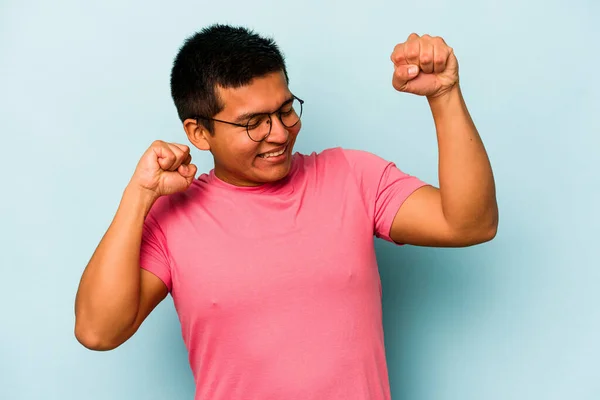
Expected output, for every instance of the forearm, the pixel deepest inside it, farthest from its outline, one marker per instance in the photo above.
(467, 186)
(109, 292)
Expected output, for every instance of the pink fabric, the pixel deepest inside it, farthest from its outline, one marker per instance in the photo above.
(277, 287)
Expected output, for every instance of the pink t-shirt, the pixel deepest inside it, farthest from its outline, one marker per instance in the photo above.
(277, 287)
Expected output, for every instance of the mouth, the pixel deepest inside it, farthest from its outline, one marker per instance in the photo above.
(272, 154)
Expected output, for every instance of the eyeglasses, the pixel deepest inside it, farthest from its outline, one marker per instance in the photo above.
(258, 126)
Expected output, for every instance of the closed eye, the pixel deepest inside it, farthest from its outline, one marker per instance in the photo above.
(251, 118)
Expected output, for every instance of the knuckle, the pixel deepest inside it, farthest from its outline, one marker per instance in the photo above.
(180, 149)
(184, 147)
(412, 52)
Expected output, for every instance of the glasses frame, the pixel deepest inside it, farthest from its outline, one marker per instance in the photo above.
(278, 113)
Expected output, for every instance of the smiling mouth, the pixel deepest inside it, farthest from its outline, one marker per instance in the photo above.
(273, 154)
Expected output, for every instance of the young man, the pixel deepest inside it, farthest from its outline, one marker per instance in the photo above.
(269, 258)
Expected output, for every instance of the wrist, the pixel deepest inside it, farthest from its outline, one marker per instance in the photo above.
(139, 197)
(449, 101)
(447, 94)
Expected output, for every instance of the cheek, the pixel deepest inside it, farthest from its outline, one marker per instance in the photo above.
(295, 130)
(235, 151)
(241, 152)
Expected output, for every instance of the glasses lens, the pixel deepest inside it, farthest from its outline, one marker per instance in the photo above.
(259, 127)
(291, 113)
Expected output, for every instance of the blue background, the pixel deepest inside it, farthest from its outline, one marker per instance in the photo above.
(84, 89)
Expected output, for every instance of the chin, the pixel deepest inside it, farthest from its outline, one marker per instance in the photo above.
(276, 174)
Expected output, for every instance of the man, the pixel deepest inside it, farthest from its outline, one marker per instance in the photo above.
(270, 258)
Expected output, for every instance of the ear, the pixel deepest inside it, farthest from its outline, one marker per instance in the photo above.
(197, 134)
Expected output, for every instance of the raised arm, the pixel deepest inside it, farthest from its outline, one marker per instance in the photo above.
(463, 211)
(115, 295)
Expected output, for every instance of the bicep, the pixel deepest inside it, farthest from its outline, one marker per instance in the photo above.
(420, 221)
(152, 291)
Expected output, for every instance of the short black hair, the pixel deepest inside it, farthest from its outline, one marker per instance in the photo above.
(219, 55)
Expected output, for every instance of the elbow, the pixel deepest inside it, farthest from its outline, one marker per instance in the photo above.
(492, 227)
(487, 231)
(93, 340)
(482, 232)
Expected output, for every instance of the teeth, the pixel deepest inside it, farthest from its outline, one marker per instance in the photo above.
(267, 155)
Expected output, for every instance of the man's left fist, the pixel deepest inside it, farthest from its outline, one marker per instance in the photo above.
(424, 65)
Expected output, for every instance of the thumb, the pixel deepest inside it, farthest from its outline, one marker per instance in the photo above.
(403, 74)
(188, 171)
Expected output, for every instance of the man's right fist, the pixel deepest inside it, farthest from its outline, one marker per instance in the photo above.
(165, 168)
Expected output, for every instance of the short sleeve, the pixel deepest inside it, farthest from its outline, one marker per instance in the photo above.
(383, 186)
(153, 251)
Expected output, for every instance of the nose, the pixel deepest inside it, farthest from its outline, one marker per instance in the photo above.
(279, 133)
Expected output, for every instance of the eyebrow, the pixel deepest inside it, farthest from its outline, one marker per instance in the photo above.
(246, 116)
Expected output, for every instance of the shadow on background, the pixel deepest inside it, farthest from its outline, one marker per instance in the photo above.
(165, 372)
(432, 300)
